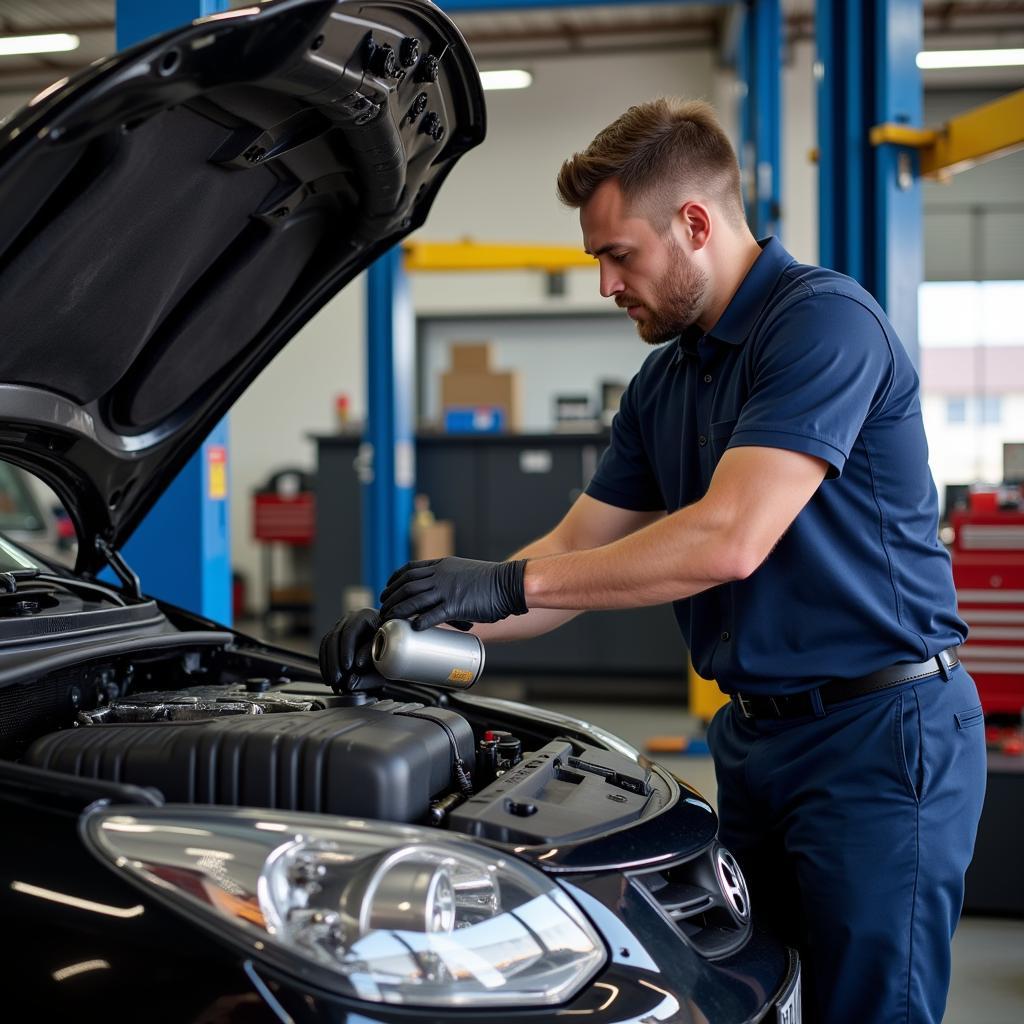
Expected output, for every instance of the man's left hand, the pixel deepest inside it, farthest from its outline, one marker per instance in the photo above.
(455, 590)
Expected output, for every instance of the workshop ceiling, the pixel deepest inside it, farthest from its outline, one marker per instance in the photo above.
(533, 32)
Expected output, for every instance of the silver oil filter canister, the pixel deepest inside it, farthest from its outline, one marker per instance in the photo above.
(441, 657)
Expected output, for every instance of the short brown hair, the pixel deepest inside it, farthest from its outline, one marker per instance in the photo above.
(655, 150)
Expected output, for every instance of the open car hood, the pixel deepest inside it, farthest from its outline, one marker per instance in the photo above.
(173, 215)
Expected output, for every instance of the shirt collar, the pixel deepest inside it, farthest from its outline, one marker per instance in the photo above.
(754, 291)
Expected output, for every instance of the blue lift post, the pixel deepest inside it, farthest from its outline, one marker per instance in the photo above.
(390, 374)
(390, 354)
(181, 552)
(753, 45)
(762, 113)
(870, 213)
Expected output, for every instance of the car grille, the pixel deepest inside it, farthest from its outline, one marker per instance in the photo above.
(705, 898)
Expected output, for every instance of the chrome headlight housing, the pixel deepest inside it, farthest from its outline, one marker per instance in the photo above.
(384, 913)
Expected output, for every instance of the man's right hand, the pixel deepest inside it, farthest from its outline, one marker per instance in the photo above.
(345, 660)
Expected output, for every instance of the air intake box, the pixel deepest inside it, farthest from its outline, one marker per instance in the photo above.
(385, 760)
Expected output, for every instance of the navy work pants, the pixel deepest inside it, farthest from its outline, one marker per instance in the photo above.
(854, 830)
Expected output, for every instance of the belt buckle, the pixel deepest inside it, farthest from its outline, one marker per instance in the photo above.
(947, 666)
(744, 705)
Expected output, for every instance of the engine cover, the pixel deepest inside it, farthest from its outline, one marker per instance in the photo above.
(385, 760)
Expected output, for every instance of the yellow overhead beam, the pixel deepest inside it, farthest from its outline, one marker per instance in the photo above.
(984, 133)
(470, 255)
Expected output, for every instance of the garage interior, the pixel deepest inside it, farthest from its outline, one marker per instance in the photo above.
(456, 399)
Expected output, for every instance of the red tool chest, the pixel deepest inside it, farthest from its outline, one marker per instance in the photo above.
(284, 514)
(288, 519)
(988, 570)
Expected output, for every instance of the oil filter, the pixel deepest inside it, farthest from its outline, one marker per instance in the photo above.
(441, 657)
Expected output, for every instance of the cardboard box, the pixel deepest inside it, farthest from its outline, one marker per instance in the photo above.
(471, 357)
(433, 540)
(465, 390)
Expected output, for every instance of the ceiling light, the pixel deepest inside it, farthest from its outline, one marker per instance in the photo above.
(929, 59)
(511, 79)
(54, 42)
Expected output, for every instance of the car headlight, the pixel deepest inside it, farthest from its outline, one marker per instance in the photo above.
(386, 913)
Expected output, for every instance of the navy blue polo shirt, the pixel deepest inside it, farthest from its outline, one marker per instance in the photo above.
(802, 359)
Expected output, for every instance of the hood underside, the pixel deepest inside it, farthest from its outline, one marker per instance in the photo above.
(172, 216)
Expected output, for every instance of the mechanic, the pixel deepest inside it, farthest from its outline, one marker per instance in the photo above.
(768, 474)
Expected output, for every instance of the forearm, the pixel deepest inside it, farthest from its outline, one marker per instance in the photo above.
(537, 621)
(683, 554)
(601, 556)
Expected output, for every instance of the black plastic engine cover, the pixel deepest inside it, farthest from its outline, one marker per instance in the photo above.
(374, 761)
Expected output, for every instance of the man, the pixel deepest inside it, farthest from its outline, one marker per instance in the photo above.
(768, 474)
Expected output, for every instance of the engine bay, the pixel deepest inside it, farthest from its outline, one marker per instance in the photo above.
(252, 727)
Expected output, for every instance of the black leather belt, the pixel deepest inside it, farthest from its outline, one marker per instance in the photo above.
(801, 705)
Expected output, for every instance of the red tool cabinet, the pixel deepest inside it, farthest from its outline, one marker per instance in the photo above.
(988, 570)
(284, 513)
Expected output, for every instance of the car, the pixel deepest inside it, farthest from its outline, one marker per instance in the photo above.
(197, 827)
(25, 519)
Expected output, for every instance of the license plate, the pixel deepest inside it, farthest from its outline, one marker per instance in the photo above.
(788, 1009)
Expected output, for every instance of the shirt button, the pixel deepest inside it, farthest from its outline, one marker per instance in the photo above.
(707, 378)
(702, 440)
(726, 636)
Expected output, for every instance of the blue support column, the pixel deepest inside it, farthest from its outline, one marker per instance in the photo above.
(759, 68)
(870, 216)
(390, 365)
(899, 243)
(182, 552)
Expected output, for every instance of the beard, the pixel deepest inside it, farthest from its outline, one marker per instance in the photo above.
(681, 293)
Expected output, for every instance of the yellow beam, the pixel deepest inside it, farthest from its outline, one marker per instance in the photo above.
(984, 133)
(903, 135)
(469, 255)
(993, 130)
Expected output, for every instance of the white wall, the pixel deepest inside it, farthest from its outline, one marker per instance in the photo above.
(553, 356)
(505, 189)
(799, 138)
(293, 398)
(962, 453)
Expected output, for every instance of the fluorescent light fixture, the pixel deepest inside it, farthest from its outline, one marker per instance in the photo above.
(929, 59)
(54, 42)
(511, 79)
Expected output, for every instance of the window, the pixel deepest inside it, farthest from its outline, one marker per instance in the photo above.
(989, 409)
(956, 409)
(972, 376)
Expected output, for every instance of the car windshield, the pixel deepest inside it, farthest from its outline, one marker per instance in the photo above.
(13, 558)
(19, 509)
(32, 519)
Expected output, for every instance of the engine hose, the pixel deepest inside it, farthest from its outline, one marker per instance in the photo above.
(461, 774)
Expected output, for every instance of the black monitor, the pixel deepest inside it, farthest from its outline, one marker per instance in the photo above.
(957, 498)
(1013, 462)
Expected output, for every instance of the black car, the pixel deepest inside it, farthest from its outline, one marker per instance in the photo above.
(196, 828)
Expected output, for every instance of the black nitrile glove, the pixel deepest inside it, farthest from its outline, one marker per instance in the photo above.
(345, 660)
(454, 590)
